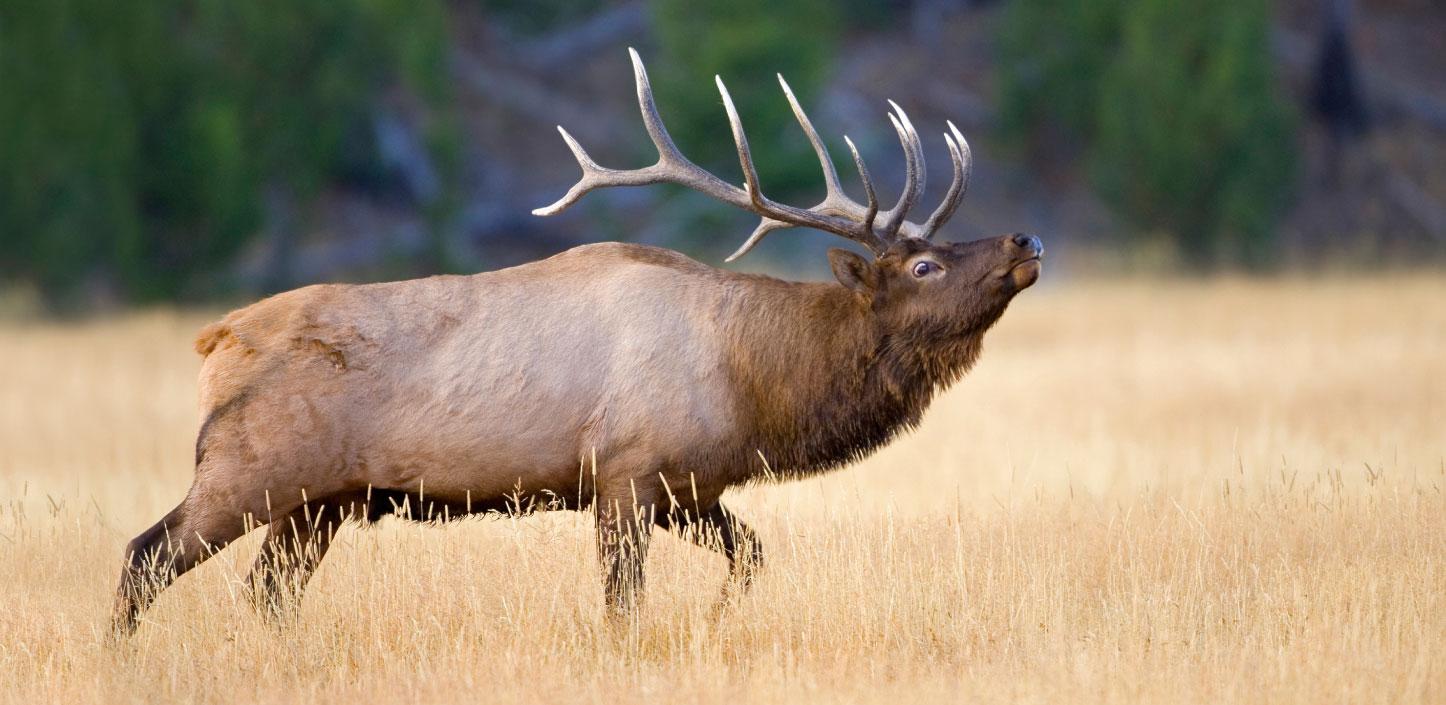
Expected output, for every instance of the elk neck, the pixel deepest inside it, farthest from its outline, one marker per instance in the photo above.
(821, 382)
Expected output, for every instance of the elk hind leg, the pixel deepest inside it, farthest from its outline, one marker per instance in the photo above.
(294, 547)
(180, 541)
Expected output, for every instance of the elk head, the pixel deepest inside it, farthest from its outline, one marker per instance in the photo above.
(912, 283)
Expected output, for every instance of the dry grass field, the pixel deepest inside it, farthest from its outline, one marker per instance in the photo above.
(1222, 491)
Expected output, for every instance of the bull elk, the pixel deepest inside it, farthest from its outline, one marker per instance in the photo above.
(627, 379)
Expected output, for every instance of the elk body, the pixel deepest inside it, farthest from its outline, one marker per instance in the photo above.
(629, 379)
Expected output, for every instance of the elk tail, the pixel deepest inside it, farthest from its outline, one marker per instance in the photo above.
(210, 337)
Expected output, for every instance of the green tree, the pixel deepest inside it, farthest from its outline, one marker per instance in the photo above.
(1175, 110)
(136, 139)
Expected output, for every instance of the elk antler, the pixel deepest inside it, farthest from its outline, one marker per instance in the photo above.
(836, 213)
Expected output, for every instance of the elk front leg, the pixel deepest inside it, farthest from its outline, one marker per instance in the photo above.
(720, 530)
(623, 528)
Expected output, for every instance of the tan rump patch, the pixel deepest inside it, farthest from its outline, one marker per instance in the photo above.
(210, 337)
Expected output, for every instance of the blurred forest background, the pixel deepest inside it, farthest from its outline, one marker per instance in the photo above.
(209, 150)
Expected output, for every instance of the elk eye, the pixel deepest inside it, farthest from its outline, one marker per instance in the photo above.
(923, 267)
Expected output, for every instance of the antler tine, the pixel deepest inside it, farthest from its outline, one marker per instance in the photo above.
(963, 165)
(966, 153)
(915, 143)
(672, 166)
(830, 175)
(590, 168)
(913, 173)
(740, 140)
(766, 226)
(652, 121)
(873, 207)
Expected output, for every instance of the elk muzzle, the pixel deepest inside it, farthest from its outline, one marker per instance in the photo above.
(1028, 252)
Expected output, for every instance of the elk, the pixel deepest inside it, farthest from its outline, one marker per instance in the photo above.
(625, 379)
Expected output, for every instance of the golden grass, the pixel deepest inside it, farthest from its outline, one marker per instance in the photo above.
(1206, 492)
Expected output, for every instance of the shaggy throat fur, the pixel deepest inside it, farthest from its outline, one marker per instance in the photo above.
(873, 386)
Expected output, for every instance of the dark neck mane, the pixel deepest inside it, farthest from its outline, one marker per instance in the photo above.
(823, 384)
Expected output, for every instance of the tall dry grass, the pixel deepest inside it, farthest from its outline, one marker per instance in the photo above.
(1204, 492)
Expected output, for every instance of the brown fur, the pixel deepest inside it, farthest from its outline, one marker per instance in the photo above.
(453, 395)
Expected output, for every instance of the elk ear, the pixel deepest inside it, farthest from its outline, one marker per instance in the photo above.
(853, 271)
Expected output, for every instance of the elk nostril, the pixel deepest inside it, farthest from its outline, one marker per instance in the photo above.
(1028, 243)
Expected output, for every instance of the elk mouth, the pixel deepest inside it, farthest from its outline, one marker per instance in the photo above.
(1026, 273)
